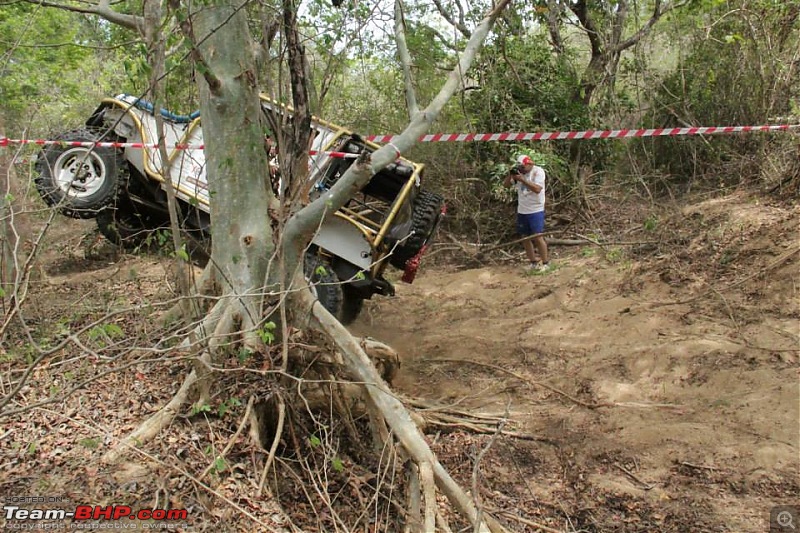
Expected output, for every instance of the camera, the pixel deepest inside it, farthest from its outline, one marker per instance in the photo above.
(518, 170)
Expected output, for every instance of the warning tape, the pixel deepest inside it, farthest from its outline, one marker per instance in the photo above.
(588, 134)
(458, 137)
(5, 141)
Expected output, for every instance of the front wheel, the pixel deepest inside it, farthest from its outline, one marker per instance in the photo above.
(428, 208)
(79, 180)
(351, 305)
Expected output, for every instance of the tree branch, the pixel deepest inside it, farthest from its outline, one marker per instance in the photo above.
(405, 58)
(459, 25)
(658, 12)
(103, 10)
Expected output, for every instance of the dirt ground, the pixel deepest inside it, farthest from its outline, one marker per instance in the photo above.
(666, 385)
(647, 385)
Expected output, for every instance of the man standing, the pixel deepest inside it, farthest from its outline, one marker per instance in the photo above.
(529, 180)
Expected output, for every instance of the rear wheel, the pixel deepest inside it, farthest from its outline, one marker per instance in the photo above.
(125, 226)
(424, 220)
(324, 284)
(79, 180)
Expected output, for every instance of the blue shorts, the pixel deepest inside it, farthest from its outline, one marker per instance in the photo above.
(531, 223)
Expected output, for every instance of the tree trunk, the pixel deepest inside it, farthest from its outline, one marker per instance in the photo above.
(7, 237)
(242, 243)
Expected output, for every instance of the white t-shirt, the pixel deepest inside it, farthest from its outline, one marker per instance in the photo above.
(528, 201)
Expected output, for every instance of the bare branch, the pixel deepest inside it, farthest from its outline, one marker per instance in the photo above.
(103, 10)
(404, 58)
(459, 25)
(658, 12)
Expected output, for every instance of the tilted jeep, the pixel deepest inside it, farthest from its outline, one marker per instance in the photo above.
(110, 171)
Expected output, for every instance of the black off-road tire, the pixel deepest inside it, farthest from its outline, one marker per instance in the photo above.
(424, 219)
(125, 227)
(351, 306)
(324, 284)
(80, 181)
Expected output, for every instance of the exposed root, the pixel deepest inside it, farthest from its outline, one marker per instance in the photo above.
(219, 320)
(447, 419)
(274, 447)
(403, 426)
(153, 425)
(232, 440)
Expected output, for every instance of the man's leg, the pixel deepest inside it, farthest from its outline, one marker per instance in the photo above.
(529, 251)
(541, 247)
(537, 226)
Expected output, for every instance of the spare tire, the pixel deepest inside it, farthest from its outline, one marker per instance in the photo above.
(80, 181)
(424, 220)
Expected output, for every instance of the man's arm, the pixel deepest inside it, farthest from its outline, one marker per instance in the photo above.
(530, 184)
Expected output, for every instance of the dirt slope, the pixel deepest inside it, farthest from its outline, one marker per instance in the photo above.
(670, 393)
(652, 387)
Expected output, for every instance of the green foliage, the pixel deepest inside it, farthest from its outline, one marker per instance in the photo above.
(56, 66)
(89, 443)
(243, 355)
(104, 334)
(227, 405)
(724, 78)
(203, 408)
(267, 332)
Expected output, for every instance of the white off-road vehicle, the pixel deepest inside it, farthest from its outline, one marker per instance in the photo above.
(110, 171)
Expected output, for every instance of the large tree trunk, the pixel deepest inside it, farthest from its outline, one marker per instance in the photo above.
(242, 243)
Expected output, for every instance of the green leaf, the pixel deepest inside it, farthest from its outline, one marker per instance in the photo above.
(314, 441)
(89, 443)
(337, 464)
(113, 330)
(182, 253)
(205, 408)
(243, 355)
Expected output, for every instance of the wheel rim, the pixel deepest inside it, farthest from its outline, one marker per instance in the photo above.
(79, 172)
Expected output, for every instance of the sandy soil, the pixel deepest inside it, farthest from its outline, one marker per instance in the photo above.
(666, 384)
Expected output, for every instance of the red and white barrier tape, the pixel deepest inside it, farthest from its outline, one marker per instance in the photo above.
(461, 137)
(589, 134)
(4, 141)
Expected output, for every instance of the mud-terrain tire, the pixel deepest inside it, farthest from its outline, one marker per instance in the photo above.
(424, 218)
(125, 227)
(324, 284)
(80, 181)
(351, 306)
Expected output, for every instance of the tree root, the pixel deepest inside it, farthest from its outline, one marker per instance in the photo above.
(403, 426)
(218, 320)
(153, 425)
